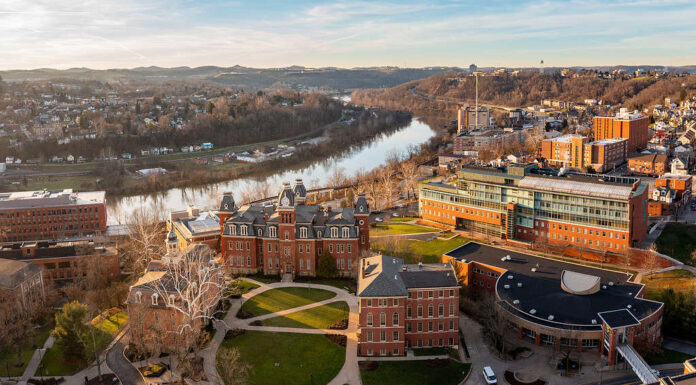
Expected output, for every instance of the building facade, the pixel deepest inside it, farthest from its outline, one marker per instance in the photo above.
(471, 142)
(21, 282)
(406, 306)
(529, 204)
(562, 305)
(63, 262)
(288, 236)
(631, 126)
(193, 226)
(51, 215)
(649, 164)
(576, 151)
(467, 118)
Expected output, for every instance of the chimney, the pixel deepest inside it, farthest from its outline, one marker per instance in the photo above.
(328, 209)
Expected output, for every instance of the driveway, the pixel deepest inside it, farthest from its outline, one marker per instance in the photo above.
(124, 370)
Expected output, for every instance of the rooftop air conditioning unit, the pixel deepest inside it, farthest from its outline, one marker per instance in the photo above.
(507, 286)
(519, 284)
(533, 311)
(550, 317)
(511, 277)
(604, 287)
(516, 302)
(533, 269)
(611, 283)
(594, 321)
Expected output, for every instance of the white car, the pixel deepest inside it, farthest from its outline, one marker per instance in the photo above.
(395, 215)
(489, 376)
(378, 219)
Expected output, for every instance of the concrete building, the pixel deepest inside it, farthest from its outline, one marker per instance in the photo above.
(289, 236)
(649, 164)
(576, 151)
(563, 305)
(631, 126)
(193, 226)
(467, 115)
(531, 205)
(51, 215)
(403, 306)
(468, 142)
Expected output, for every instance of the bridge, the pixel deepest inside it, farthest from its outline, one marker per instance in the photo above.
(639, 366)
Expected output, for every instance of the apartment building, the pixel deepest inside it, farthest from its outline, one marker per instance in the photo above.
(288, 236)
(576, 151)
(467, 118)
(51, 215)
(529, 204)
(20, 282)
(406, 305)
(628, 125)
(470, 142)
(648, 164)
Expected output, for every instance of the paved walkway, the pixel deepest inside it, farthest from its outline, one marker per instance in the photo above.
(30, 370)
(117, 362)
(349, 373)
(680, 346)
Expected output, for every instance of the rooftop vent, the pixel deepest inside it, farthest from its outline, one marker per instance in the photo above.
(519, 284)
(511, 277)
(604, 287)
(611, 283)
(550, 317)
(507, 286)
(629, 306)
(533, 311)
(533, 269)
(594, 321)
(630, 294)
(516, 302)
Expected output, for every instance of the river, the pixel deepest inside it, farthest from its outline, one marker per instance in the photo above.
(364, 158)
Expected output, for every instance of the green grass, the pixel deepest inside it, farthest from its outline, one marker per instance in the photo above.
(245, 286)
(677, 280)
(76, 182)
(8, 355)
(667, 357)
(678, 240)
(402, 219)
(399, 228)
(437, 351)
(298, 356)
(414, 251)
(435, 372)
(275, 300)
(339, 283)
(320, 317)
(57, 363)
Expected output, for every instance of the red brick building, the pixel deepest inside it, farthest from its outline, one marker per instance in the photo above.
(403, 306)
(631, 126)
(20, 282)
(288, 236)
(50, 215)
(649, 164)
(560, 304)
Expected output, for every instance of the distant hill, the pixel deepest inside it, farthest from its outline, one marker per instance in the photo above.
(242, 77)
(527, 88)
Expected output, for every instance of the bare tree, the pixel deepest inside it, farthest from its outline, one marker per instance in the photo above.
(191, 287)
(338, 176)
(370, 187)
(387, 186)
(233, 371)
(145, 240)
(409, 172)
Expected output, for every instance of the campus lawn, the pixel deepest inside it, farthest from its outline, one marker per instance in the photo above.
(678, 240)
(320, 317)
(436, 351)
(402, 219)
(677, 280)
(245, 286)
(430, 251)
(399, 228)
(56, 363)
(275, 300)
(339, 283)
(297, 356)
(8, 355)
(667, 357)
(427, 372)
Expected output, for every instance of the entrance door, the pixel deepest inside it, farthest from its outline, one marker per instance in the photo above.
(288, 267)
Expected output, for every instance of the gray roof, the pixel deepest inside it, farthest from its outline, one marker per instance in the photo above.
(386, 276)
(13, 273)
(41, 199)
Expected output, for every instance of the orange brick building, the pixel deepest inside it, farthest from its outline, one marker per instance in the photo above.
(51, 215)
(532, 205)
(631, 126)
(680, 183)
(649, 164)
(403, 306)
(578, 152)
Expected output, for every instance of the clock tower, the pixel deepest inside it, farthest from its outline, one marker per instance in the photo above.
(286, 230)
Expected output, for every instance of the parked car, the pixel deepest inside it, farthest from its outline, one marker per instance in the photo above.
(489, 376)
(378, 219)
(395, 214)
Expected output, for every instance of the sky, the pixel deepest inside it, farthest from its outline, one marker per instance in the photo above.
(104, 34)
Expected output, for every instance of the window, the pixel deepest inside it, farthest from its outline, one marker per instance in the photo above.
(334, 232)
(382, 319)
(395, 319)
(233, 230)
(287, 235)
(303, 232)
(420, 311)
(244, 230)
(273, 232)
(308, 265)
(395, 302)
(382, 335)
(420, 326)
(346, 232)
(430, 310)
(451, 325)
(440, 310)
(301, 263)
(451, 309)
(396, 336)
(248, 260)
(369, 336)
(408, 312)
(369, 317)
(154, 298)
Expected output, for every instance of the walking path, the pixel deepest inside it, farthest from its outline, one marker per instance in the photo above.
(349, 373)
(680, 346)
(117, 362)
(35, 361)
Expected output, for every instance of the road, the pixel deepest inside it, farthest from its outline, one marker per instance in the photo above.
(123, 369)
(631, 380)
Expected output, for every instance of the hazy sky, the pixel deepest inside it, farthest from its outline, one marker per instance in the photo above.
(261, 33)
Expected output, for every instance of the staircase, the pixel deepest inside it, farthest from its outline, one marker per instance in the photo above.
(287, 278)
(639, 366)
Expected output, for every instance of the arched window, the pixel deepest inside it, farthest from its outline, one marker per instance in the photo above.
(154, 298)
(139, 296)
(319, 234)
(259, 232)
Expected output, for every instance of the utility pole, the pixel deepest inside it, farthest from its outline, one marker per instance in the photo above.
(476, 112)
